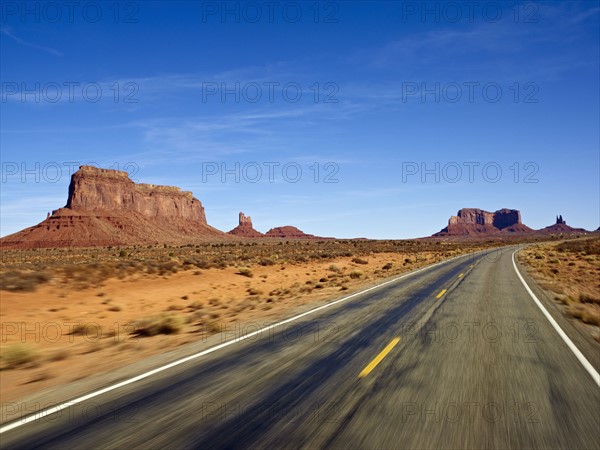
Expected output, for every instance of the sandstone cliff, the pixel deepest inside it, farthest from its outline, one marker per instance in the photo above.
(94, 189)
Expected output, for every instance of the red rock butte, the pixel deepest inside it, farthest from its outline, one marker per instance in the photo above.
(105, 207)
(474, 221)
(289, 232)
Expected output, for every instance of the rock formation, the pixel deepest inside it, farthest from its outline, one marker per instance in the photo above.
(474, 222)
(289, 232)
(245, 228)
(94, 189)
(105, 207)
(561, 227)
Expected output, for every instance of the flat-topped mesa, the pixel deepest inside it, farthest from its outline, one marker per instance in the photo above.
(474, 216)
(475, 221)
(94, 189)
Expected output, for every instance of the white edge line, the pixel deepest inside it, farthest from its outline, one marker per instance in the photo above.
(584, 362)
(46, 412)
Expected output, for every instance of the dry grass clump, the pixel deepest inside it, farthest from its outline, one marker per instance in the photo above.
(18, 355)
(160, 324)
(355, 274)
(245, 272)
(359, 261)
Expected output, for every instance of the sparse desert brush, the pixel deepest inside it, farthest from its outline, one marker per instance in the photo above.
(19, 281)
(266, 262)
(211, 327)
(388, 266)
(88, 329)
(245, 272)
(160, 324)
(334, 268)
(59, 355)
(254, 291)
(586, 313)
(175, 308)
(589, 298)
(355, 274)
(17, 355)
(115, 308)
(359, 261)
(194, 306)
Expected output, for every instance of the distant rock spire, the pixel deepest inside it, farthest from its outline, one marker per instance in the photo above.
(245, 220)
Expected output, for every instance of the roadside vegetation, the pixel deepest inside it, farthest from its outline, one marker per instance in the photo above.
(82, 268)
(570, 270)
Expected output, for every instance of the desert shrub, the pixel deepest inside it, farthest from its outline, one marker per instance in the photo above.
(359, 261)
(355, 274)
(266, 262)
(115, 308)
(334, 268)
(211, 327)
(254, 291)
(388, 266)
(19, 354)
(585, 314)
(88, 329)
(588, 298)
(194, 306)
(15, 281)
(122, 254)
(155, 325)
(245, 272)
(175, 308)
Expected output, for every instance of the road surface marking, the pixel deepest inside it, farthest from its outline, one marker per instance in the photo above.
(460, 276)
(442, 292)
(367, 370)
(584, 362)
(59, 407)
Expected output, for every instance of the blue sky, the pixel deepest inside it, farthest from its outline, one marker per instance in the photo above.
(361, 97)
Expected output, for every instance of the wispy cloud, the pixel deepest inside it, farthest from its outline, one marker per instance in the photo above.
(8, 32)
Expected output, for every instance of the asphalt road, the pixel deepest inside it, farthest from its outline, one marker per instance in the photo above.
(456, 356)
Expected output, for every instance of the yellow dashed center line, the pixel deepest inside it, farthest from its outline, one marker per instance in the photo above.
(442, 292)
(367, 370)
(460, 276)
